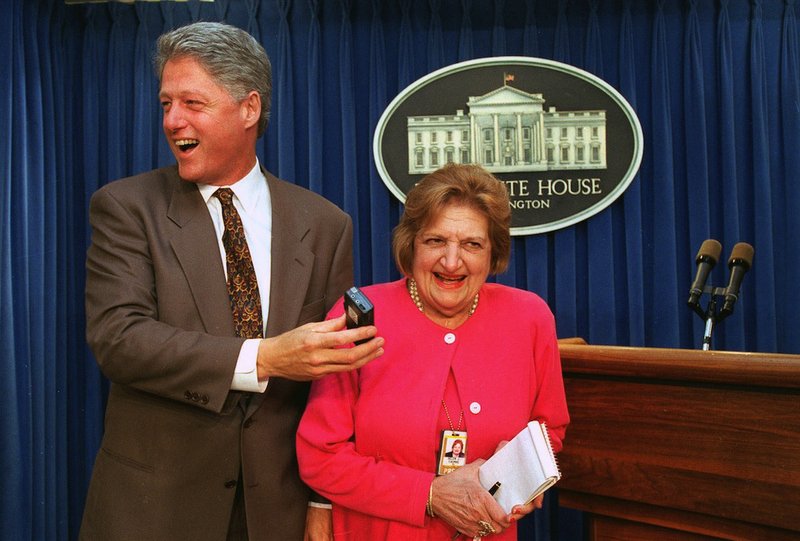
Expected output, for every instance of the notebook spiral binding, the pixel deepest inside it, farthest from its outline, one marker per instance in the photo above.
(550, 448)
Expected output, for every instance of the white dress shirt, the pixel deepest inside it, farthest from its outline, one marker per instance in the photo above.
(252, 201)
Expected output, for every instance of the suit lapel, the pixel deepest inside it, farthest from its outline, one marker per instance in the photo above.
(292, 263)
(291, 269)
(195, 246)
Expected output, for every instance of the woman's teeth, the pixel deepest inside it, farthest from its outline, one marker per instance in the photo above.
(449, 278)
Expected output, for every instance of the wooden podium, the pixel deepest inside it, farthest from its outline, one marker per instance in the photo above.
(681, 444)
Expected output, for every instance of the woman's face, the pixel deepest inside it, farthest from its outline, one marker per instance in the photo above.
(452, 257)
(456, 448)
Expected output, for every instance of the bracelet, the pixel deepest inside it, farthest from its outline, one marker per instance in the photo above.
(429, 504)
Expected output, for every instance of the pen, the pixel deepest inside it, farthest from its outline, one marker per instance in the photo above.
(492, 490)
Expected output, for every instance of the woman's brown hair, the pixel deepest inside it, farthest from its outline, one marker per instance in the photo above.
(470, 185)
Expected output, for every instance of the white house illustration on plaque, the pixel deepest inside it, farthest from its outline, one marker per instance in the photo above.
(508, 130)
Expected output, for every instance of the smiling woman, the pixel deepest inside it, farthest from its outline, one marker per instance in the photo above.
(453, 234)
(440, 322)
(452, 260)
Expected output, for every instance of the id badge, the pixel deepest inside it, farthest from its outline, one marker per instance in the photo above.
(452, 451)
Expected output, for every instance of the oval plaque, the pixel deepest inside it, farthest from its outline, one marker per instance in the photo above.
(565, 142)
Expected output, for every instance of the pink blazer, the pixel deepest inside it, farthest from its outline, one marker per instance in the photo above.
(368, 439)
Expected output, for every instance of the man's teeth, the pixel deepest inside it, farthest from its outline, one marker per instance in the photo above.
(185, 144)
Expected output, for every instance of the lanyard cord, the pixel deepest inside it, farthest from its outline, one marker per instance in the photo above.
(447, 413)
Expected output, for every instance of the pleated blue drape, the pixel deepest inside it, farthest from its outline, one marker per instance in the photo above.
(284, 91)
(715, 84)
(348, 122)
(761, 187)
(662, 205)
(380, 208)
(631, 290)
(601, 284)
(434, 52)
(695, 136)
(787, 256)
(12, 424)
(405, 53)
(729, 145)
(316, 139)
(15, 422)
(465, 38)
(499, 29)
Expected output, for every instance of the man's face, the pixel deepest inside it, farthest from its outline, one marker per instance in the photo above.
(211, 134)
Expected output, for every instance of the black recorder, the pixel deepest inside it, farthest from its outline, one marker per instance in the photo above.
(358, 310)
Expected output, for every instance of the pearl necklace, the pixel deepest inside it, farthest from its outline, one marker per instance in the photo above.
(412, 290)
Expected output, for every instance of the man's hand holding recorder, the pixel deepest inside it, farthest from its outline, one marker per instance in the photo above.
(313, 350)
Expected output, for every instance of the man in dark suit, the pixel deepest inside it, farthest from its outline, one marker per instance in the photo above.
(200, 422)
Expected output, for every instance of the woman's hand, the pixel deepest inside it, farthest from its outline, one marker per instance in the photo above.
(519, 511)
(461, 501)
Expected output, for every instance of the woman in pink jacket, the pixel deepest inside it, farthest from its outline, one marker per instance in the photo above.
(464, 360)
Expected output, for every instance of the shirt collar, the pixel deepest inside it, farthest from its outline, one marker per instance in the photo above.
(248, 189)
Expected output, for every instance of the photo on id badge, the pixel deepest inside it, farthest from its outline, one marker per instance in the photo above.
(453, 451)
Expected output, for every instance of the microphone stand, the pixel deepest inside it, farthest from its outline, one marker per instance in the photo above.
(710, 315)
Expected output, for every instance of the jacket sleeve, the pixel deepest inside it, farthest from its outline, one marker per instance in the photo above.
(550, 405)
(133, 343)
(340, 278)
(331, 465)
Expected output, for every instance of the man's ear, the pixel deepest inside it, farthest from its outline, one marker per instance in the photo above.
(251, 109)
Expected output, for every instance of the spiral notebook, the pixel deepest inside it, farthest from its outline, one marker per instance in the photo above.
(525, 467)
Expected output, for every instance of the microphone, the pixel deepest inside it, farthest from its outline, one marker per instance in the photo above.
(740, 262)
(707, 257)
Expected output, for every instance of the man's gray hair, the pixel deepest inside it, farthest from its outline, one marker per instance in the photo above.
(233, 58)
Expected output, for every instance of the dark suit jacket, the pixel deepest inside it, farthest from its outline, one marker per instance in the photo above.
(159, 323)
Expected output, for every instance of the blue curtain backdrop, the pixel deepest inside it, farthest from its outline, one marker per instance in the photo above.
(716, 85)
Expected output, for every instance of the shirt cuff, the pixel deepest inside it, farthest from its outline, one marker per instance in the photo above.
(319, 505)
(245, 377)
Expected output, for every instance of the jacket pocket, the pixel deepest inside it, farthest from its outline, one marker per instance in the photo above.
(313, 311)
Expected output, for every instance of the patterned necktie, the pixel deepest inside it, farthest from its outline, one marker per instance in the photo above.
(242, 283)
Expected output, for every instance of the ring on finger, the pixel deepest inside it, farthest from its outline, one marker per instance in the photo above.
(485, 528)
